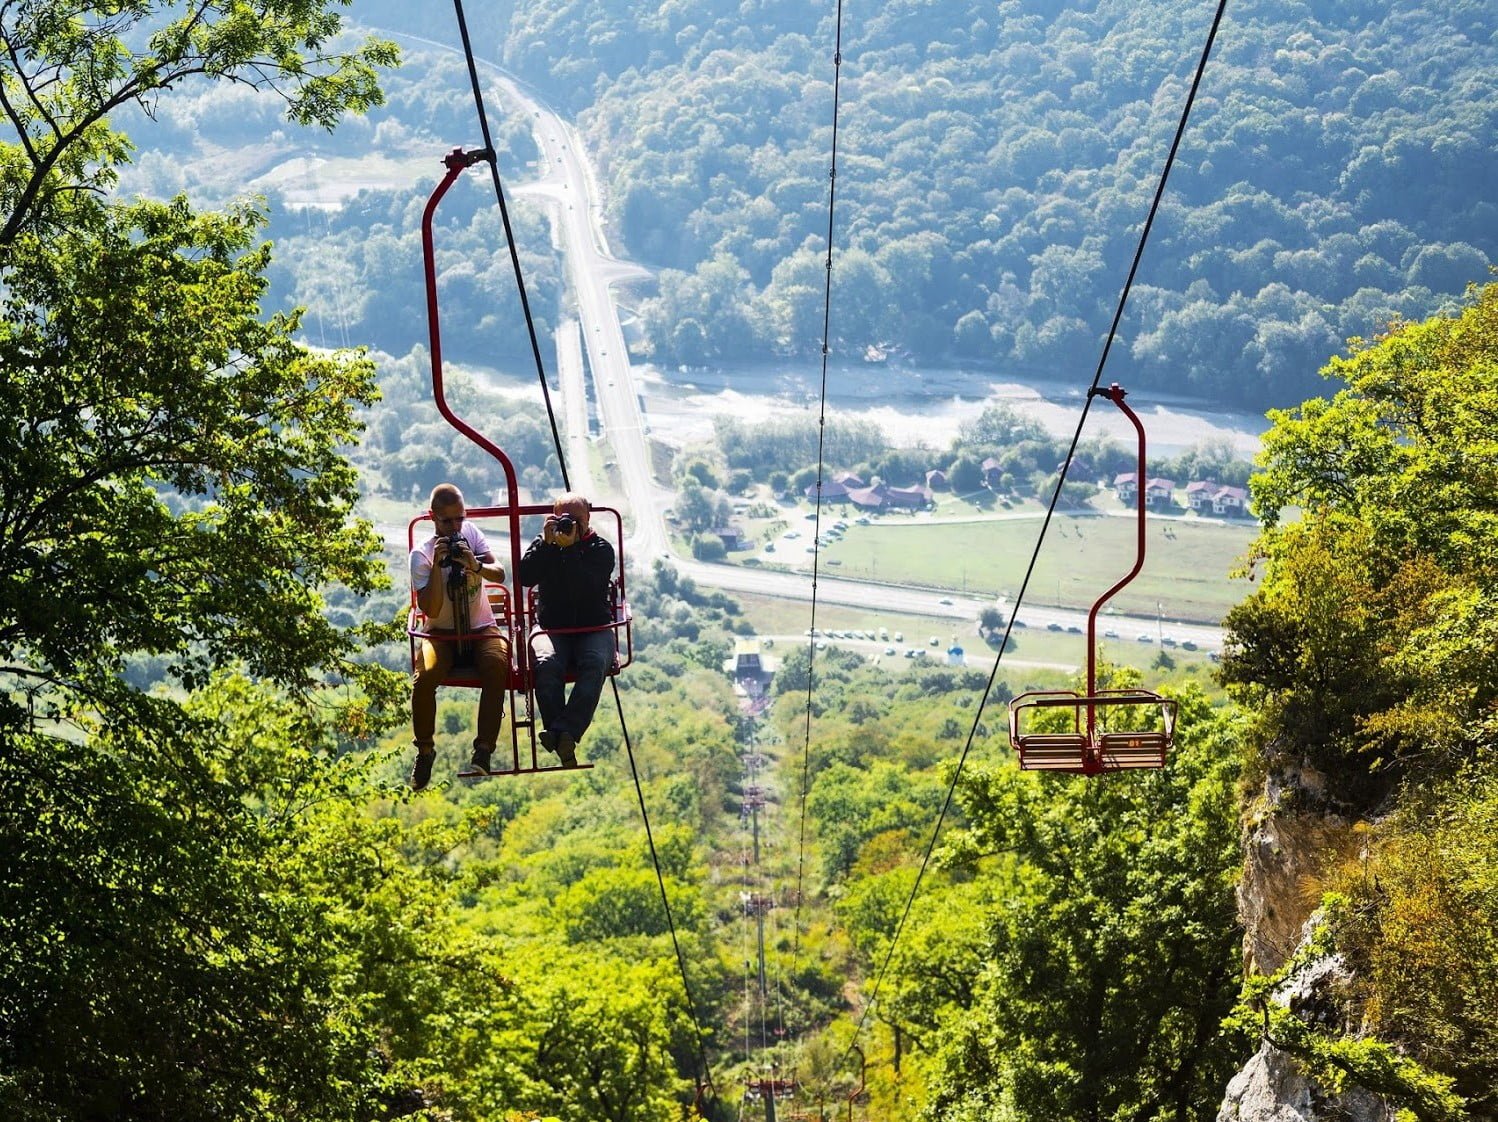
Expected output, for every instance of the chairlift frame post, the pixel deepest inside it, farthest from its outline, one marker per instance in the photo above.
(863, 1073)
(1116, 393)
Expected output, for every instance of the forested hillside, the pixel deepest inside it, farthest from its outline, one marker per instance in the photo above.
(996, 163)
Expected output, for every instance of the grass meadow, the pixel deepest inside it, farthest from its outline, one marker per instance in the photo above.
(1185, 574)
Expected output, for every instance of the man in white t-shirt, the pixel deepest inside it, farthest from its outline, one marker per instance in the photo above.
(448, 571)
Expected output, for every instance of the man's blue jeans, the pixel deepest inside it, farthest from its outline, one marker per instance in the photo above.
(587, 655)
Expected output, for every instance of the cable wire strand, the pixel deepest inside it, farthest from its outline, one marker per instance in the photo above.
(811, 642)
(1050, 511)
(504, 214)
(706, 1073)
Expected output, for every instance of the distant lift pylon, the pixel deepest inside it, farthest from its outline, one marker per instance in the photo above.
(1090, 746)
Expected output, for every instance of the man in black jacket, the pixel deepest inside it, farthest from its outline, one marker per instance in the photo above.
(572, 568)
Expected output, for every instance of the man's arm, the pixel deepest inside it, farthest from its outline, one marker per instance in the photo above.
(491, 569)
(600, 561)
(537, 562)
(432, 598)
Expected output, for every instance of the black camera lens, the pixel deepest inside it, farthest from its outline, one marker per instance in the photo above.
(566, 524)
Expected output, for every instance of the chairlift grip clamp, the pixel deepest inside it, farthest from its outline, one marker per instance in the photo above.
(460, 160)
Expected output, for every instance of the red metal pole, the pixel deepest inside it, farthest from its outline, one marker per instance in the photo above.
(457, 162)
(1115, 394)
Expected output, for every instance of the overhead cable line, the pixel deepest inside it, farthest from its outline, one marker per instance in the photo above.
(1093, 391)
(490, 153)
(660, 879)
(811, 642)
(504, 214)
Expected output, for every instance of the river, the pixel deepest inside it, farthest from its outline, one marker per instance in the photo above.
(915, 406)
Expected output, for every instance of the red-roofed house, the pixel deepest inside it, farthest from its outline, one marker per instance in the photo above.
(830, 491)
(1199, 494)
(1230, 500)
(880, 497)
(1159, 492)
(915, 497)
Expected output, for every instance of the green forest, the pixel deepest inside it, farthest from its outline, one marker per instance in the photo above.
(219, 899)
(995, 166)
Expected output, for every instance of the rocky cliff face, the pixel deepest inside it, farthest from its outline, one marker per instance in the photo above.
(1290, 846)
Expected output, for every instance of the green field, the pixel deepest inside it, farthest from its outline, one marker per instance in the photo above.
(1185, 574)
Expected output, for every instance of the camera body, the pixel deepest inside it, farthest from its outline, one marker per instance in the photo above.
(455, 543)
(564, 530)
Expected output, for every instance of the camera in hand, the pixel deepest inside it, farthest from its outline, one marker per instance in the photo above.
(455, 543)
(566, 525)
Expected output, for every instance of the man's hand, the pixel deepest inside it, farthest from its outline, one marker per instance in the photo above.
(458, 552)
(464, 556)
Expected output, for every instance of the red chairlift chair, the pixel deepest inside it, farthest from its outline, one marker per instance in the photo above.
(1090, 746)
(514, 612)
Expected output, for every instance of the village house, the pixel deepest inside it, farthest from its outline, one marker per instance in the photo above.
(1230, 500)
(881, 497)
(1199, 495)
(733, 538)
(1159, 492)
(1206, 496)
(993, 472)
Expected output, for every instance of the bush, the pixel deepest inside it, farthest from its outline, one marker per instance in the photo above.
(709, 547)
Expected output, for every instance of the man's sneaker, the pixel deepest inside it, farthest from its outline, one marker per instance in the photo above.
(478, 763)
(421, 770)
(567, 750)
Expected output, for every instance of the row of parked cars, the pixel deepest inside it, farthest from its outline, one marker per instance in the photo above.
(884, 636)
(1143, 637)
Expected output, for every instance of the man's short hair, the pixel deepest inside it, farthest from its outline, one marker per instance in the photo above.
(444, 495)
